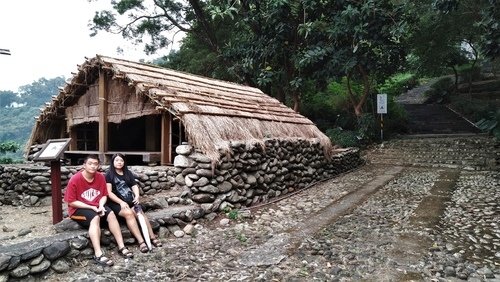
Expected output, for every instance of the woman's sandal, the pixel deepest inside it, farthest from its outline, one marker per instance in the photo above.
(124, 252)
(102, 260)
(143, 247)
(157, 243)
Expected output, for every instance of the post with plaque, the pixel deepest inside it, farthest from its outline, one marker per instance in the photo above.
(52, 152)
(381, 109)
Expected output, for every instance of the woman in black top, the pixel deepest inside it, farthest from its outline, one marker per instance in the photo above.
(124, 197)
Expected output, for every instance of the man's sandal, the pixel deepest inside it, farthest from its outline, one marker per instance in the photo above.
(157, 243)
(124, 252)
(143, 247)
(102, 260)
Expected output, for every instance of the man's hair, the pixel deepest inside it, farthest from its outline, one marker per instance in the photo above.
(91, 156)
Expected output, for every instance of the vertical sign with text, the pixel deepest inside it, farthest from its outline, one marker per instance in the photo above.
(381, 103)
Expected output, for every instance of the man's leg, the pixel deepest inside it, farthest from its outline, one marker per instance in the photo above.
(95, 235)
(114, 228)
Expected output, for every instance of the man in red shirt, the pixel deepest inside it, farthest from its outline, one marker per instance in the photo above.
(86, 194)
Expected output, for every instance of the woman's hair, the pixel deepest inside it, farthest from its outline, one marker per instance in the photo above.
(127, 174)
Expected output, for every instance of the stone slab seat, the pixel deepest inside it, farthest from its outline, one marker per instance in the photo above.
(68, 229)
(23, 248)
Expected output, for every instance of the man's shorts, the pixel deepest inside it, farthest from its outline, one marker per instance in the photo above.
(84, 216)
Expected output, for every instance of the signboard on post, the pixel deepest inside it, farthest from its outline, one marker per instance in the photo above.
(52, 151)
(381, 103)
(381, 109)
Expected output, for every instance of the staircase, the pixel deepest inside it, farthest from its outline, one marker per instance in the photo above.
(438, 137)
(469, 152)
(436, 119)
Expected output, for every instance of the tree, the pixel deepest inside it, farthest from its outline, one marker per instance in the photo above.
(279, 46)
(6, 147)
(39, 92)
(450, 30)
(7, 98)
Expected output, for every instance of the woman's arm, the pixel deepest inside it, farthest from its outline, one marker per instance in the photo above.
(137, 195)
(115, 198)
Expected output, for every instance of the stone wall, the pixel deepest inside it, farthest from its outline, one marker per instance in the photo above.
(248, 175)
(29, 185)
(252, 174)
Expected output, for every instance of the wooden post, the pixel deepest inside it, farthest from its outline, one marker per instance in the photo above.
(151, 133)
(166, 150)
(103, 115)
(55, 179)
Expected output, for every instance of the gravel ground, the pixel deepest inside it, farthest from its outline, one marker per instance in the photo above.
(391, 236)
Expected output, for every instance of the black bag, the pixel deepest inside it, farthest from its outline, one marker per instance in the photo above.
(123, 191)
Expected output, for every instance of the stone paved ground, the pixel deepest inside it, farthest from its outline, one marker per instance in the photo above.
(393, 234)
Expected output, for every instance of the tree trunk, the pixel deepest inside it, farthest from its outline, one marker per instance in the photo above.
(358, 106)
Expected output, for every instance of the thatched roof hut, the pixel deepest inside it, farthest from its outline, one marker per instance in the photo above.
(97, 109)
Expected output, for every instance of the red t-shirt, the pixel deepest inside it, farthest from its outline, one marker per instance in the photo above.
(79, 189)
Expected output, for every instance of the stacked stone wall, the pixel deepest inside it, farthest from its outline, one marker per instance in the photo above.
(30, 185)
(252, 174)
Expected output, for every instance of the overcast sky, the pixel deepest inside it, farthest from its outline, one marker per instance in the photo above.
(50, 38)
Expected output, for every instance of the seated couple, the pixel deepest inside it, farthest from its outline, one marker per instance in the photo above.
(94, 200)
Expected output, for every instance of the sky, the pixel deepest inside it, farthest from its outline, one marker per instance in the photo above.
(50, 38)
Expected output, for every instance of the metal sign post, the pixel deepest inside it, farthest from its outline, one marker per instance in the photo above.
(382, 109)
(52, 151)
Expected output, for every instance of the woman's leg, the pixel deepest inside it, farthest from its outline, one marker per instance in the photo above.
(132, 225)
(152, 235)
(114, 228)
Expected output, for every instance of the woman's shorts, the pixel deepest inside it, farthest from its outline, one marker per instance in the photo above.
(116, 208)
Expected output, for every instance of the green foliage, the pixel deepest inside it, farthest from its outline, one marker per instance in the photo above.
(242, 237)
(366, 128)
(232, 214)
(489, 28)
(39, 92)
(6, 147)
(398, 84)
(440, 91)
(279, 46)
(469, 73)
(491, 124)
(16, 123)
(343, 138)
(7, 98)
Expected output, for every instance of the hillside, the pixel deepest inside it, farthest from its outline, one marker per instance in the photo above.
(16, 122)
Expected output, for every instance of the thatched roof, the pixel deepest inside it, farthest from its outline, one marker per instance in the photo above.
(213, 112)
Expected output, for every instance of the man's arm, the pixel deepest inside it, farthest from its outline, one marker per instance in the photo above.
(81, 205)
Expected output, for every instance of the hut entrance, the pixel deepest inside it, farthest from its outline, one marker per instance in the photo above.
(138, 138)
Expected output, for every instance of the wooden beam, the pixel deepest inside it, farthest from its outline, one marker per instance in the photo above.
(103, 114)
(166, 150)
(72, 143)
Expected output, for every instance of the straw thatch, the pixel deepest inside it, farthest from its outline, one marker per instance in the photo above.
(213, 112)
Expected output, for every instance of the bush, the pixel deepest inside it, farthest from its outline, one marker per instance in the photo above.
(491, 124)
(440, 91)
(6, 147)
(343, 138)
(466, 72)
(398, 84)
